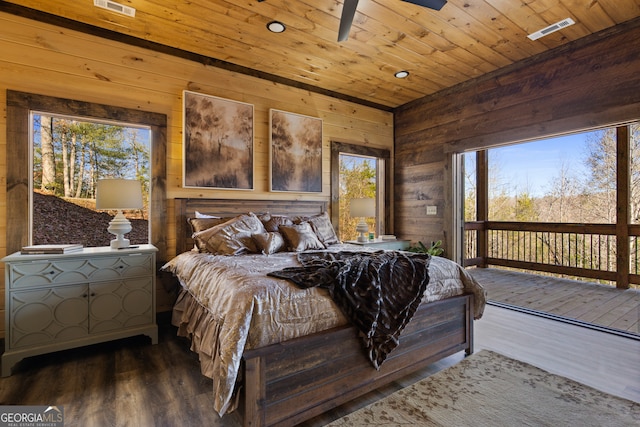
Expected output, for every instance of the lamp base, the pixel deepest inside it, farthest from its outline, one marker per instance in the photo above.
(120, 242)
(119, 226)
(362, 228)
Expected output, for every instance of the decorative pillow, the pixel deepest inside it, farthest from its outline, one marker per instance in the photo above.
(321, 225)
(299, 219)
(269, 243)
(232, 237)
(300, 237)
(275, 221)
(201, 224)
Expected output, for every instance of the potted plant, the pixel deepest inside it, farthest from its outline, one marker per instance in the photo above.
(435, 249)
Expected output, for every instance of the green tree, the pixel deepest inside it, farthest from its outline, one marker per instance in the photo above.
(80, 152)
(526, 210)
(357, 180)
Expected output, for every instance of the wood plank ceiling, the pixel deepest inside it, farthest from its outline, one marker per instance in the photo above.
(440, 49)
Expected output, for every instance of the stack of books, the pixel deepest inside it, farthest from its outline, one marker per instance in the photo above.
(50, 249)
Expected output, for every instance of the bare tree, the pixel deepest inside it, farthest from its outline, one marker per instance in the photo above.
(48, 155)
(563, 202)
(634, 155)
(601, 184)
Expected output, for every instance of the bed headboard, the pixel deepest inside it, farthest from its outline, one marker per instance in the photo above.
(186, 208)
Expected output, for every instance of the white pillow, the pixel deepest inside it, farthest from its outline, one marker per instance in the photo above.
(201, 215)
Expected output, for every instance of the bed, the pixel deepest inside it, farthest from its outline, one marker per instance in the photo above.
(285, 372)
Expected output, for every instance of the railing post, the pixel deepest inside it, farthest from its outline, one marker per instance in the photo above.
(482, 205)
(623, 251)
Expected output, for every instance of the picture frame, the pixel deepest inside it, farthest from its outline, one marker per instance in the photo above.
(218, 146)
(295, 152)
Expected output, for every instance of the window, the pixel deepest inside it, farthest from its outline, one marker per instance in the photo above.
(359, 172)
(70, 154)
(585, 186)
(20, 106)
(470, 187)
(566, 179)
(634, 174)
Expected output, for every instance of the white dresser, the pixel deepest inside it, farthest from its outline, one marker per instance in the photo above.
(57, 302)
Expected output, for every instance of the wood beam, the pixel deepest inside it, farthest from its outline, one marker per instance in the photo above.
(622, 206)
(482, 203)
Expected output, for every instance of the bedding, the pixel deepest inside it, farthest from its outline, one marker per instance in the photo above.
(229, 304)
(379, 292)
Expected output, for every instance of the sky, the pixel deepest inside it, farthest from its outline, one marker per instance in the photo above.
(533, 166)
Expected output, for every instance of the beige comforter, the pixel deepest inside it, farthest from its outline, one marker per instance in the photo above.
(228, 304)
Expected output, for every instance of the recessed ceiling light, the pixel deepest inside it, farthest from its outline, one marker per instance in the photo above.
(276, 27)
(402, 74)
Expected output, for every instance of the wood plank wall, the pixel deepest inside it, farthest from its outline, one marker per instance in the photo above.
(591, 83)
(40, 58)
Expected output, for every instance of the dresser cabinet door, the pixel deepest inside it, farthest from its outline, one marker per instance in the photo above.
(120, 304)
(48, 315)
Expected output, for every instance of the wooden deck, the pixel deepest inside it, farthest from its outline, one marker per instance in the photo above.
(583, 303)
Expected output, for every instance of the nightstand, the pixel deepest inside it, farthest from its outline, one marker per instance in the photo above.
(58, 302)
(397, 245)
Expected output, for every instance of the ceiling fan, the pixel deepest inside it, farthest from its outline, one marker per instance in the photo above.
(349, 11)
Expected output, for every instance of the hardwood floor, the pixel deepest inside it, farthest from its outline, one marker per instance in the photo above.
(132, 383)
(127, 382)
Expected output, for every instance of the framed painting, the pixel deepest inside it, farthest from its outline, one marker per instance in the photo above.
(296, 152)
(218, 142)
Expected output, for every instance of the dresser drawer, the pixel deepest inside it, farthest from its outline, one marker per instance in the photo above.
(37, 273)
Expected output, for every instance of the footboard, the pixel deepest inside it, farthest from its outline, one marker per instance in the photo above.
(290, 382)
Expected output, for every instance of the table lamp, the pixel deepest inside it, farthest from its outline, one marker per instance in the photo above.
(119, 194)
(363, 208)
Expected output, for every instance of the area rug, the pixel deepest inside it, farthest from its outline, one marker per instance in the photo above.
(488, 389)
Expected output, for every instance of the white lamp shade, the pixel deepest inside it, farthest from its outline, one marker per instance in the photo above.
(363, 208)
(118, 194)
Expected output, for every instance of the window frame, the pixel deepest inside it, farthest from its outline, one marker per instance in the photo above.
(337, 148)
(20, 105)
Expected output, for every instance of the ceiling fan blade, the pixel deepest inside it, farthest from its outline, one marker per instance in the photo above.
(348, 12)
(431, 4)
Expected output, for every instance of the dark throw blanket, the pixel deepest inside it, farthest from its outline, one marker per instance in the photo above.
(379, 291)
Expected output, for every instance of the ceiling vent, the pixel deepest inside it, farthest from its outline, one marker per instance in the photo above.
(115, 7)
(551, 29)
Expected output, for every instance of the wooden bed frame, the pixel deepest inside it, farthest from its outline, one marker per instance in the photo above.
(290, 382)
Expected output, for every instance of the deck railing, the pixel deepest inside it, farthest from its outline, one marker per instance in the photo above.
(574, 250)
